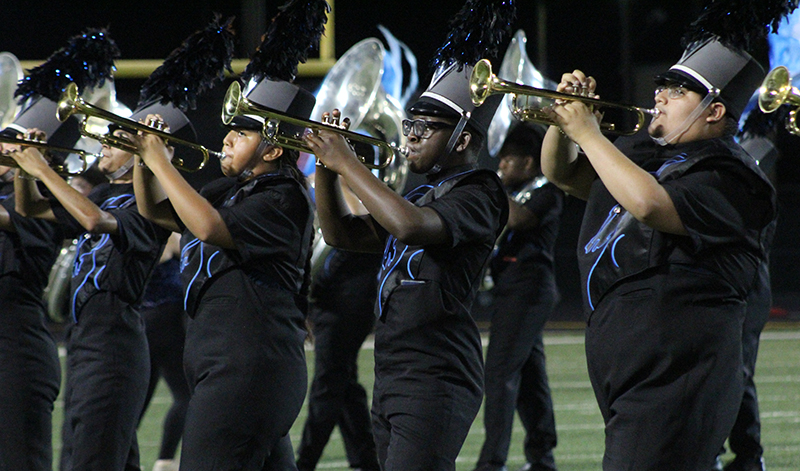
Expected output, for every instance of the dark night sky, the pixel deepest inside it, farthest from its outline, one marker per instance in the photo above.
(578, 34)
(585, 34)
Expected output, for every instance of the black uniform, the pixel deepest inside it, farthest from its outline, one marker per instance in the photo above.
(29, 370)
(162, 311)
(244, 355)
(745, 437)
(428, 358)
(341, 311)
(523, 297)
(663, 340)
(107, 360)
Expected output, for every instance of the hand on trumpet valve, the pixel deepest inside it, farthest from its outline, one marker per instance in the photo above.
(331, 148)
(30, 159)
(150, 146)
(156, 122)
(333, 119)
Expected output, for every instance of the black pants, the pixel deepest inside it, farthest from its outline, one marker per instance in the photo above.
(166, 334)
(666, 372)
(422, 432)
(745, 437)
(343, 297)
(516, 377)
(245, 364)
(29, 382)
(336, 397)
(107, 372)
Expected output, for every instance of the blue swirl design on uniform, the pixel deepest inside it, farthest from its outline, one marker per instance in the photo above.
(185, 263)
(600, 242)
(96, 245)
(391, 257)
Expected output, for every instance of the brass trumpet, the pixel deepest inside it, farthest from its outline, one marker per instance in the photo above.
(777, 89)
(483, 83)
(235, 104)
(71, 103)
(61, 169)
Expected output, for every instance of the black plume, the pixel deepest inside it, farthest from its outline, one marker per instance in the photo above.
(193, 68)
(87, 60)
(738, 23)
(291, 35)
(479, 30)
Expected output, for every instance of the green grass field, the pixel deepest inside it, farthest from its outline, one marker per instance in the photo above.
(580, 427)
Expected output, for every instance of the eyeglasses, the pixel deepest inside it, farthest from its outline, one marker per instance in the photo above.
(674, 90)
(423, 129)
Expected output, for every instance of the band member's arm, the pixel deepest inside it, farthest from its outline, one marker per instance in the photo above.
(410, 224)
(340, 227)
(5, 221)
(199, 216)
(31, 203)
(151, 199)
(561, 162)
(632, 187)
(520, 217)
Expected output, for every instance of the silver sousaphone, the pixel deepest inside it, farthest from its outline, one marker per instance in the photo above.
(10, 74)
(353, 85)
(517, 66)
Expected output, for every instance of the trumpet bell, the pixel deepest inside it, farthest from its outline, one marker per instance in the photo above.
(776, 89)
(519, 68)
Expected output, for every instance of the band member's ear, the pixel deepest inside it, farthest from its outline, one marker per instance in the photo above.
(717, 111)
(463, 141)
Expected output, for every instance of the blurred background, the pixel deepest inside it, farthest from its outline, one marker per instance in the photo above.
(622, 43)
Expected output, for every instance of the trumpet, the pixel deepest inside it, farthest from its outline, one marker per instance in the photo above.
(71, 103)
(235, 104)
(61, 169)
(483, 83)
(776, 90)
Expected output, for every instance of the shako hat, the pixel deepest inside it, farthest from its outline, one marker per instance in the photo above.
(87, 60)
(293, 33)
(478, 31)
(716, 59)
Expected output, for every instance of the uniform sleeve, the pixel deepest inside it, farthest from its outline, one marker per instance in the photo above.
(545, 201)
(136, 233)
(721, 202)
(266, 223)
(472, 210)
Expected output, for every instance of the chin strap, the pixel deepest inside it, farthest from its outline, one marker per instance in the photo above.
(663, 141)
(247, 173)
(451, 144)
(125, 168)
(8, 176)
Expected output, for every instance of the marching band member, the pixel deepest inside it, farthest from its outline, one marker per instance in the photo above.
(245, 252)
(673, 235)
(30, 374)
(523, 297)
(428, 358)
(107, 359)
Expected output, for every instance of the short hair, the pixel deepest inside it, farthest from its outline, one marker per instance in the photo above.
(523, 139)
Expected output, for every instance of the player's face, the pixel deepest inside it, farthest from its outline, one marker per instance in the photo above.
(675, 104)
(114, 158)
(239, 147)
(426, 148)
(513, 169)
